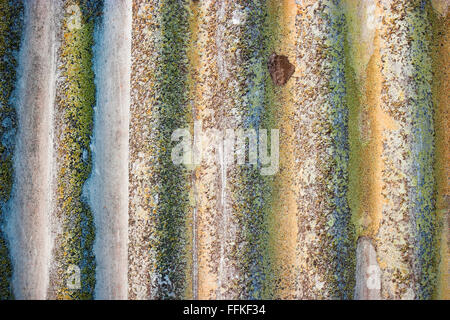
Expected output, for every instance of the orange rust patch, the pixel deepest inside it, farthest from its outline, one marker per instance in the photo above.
(285, 207)
(375, 122)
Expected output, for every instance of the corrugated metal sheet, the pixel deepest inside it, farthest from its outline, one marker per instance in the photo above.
(351, 202)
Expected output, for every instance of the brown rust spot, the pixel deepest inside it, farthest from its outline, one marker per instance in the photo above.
(281, 70)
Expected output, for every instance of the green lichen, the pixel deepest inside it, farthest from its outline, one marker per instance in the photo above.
(423, 156)
(440, 27)
(254, 192)
(356, 142)
(75, 101)
(341, 232)
(173, 195)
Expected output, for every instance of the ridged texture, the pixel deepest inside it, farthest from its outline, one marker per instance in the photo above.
(356, 207)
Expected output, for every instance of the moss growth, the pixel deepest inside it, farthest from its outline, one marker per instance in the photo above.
(75, 100)
(357, 179)
(254, 192)
(356, 143)
(440, 57)
(173, 195)
(424, 196)
(341, 231)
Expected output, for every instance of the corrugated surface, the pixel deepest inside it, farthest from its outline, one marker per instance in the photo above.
(356, 206)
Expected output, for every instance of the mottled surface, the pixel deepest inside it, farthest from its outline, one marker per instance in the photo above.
(357, 203)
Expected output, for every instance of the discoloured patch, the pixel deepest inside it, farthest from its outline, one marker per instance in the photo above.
(441, 88)
(378, 123)
(285, 206)
(281, 70)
